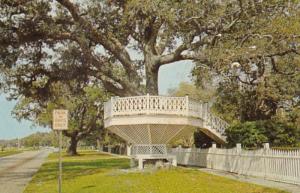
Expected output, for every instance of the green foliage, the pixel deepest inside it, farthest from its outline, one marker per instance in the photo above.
(101, 173)
(85, 105)
(254, 134)
(248, 134)
(197, 93)
(42, 139)
(44, 42)
(256, 65)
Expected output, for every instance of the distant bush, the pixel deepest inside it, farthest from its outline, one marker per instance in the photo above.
(253, 134)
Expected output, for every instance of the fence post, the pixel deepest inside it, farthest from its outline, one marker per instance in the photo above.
(265, 153)
(266, 146)
(238, 147)
(210, 158)
(238, 152)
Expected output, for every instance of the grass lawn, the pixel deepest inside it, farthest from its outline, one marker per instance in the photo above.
(9, 152)
(92, 172)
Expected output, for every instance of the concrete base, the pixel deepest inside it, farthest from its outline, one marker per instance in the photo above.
(142, 158)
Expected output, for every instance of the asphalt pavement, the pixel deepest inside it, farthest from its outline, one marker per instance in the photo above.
(17, 170)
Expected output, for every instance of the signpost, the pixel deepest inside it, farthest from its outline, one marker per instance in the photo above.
(60, 123)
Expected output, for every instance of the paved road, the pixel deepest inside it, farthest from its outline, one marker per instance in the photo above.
(17, 170)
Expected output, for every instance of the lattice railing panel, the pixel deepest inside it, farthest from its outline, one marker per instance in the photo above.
(149, 149)
(167, 105)
(129, 105)
(216, 123)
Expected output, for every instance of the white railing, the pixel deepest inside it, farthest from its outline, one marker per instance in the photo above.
(182, 106)
(216, 123)
(272, 164)
(149, 149)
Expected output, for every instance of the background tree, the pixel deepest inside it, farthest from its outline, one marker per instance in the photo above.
(85, 111)
(40, 139)
(205, 93)
(258, 73)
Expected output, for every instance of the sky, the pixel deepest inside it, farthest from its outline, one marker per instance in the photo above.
(169, 77)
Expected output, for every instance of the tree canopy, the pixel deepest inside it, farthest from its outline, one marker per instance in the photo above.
(257, 66)
(124, 43)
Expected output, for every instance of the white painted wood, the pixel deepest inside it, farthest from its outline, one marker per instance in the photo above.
(149, 149)
(279, 165)
(150, 122)
(121, 113)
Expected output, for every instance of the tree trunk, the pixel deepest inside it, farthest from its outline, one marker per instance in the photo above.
(152, 82)
(72, 149)
(151, 72)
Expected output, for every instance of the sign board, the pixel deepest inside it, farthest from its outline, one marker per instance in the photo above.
(60, 119)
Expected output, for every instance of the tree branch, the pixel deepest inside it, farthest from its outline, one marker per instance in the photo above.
(110, 43)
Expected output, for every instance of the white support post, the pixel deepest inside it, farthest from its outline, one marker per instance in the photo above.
(128, 150)
(187, 105)
(214, 146)
(112, 104)
(174, 161)
(141, 163)
(148, 104)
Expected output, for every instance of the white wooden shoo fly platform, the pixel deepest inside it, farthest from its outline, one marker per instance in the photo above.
(149, 123)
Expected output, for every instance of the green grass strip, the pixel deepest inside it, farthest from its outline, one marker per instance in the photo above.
(92, 172)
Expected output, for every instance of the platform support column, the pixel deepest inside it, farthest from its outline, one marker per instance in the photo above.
(141, 164)
(174, 162)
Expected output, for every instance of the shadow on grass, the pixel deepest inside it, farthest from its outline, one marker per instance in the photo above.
(74, 168)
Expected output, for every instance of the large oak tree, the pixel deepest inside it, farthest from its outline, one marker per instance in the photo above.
(122, 43)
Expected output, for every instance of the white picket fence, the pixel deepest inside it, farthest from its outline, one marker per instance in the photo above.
(272, 164)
